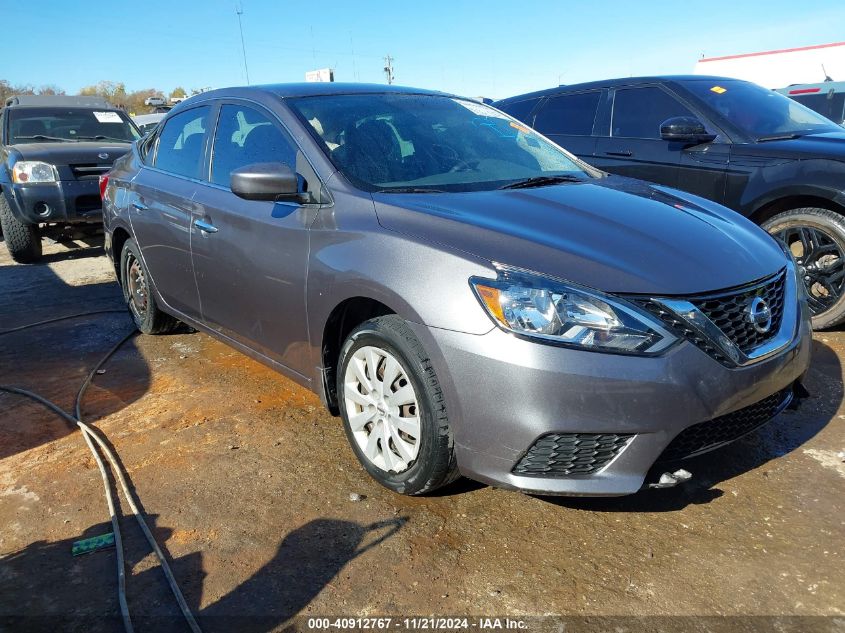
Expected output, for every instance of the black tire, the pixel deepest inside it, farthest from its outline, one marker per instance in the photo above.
(435, 465)
(149, 319)
(23, 240)
(824, 261)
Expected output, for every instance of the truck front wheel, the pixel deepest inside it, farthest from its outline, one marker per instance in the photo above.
(22, 240)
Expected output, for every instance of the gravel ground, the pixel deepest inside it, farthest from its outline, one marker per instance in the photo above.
(265, 514)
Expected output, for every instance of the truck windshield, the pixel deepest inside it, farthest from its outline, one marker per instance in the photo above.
(760, 113)
(418, 143)
(46, 125)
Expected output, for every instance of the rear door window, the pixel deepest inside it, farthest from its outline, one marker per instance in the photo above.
(181, 144)
(638, 112)
(571, 114)
(246, 136)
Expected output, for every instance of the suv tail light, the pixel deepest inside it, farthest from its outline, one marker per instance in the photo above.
(104, 182)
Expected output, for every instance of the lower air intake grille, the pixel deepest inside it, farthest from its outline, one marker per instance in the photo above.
(571, 454)
(706, 436)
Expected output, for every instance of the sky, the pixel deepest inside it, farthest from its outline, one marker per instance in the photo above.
(474, 48)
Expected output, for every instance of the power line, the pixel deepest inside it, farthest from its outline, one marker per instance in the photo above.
(239, 10)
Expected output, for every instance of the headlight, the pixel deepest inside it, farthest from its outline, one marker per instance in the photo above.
(27, 171)
(570, 315)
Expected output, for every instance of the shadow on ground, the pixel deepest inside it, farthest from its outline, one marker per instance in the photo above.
(788, 431)
(53, 359)
(43, 587)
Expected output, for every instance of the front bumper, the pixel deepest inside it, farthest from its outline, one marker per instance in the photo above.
(65, 201)
(503, 393)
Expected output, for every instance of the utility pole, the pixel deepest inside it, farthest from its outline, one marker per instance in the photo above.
(239, 10)
(388, 68)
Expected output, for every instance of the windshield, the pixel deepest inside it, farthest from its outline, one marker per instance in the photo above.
(56, 125)
(402, 142)
(759, 112)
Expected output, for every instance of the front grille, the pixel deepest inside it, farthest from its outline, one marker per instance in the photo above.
(681, 328)
(706, 436)
(559, 454)
(729, 311)
(89, 171)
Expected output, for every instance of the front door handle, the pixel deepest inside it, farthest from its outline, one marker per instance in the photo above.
(205, 227)
(626, 153)
(140, 206)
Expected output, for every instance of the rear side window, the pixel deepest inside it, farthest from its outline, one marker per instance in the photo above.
(638, 112)
(520, 109)
(572, 114)
(245, 136)
(181, 143)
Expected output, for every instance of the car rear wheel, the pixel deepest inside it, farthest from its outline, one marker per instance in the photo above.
(393, 409)
(816, 238)
(22, 240)
(138, 295)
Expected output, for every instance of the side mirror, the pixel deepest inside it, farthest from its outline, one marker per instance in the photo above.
(265, 181)
(685, 129)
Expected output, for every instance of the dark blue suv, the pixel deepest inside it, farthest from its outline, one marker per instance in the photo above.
(751, 149)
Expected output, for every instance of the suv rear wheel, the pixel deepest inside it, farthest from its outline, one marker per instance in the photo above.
(816, 238)
(22, 240)
(393, 409)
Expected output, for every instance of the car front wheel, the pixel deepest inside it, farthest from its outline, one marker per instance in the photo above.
(816, 238)
(393, 408)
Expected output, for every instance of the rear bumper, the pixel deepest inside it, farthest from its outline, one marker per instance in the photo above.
(504, 393)
(65, 201)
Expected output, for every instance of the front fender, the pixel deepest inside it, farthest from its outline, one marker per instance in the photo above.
(819, 178)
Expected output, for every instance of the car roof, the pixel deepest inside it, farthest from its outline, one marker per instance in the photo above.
(314, 89)
(58, 101)
(155, 117)
(823, 87)
(611, 83)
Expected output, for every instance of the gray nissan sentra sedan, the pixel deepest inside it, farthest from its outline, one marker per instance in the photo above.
(469, 298)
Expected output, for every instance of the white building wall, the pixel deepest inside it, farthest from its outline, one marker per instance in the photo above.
(777, 69)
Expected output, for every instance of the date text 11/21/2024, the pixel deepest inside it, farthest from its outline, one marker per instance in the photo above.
(416, 623)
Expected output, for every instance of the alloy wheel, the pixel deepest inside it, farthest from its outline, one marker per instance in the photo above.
(382, 409)
(821, 263)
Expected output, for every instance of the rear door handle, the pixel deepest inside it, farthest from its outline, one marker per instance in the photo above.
(205, 227)
(139, 206)
(626, 152)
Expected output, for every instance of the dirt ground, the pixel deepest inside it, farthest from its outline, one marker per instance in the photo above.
(247, 481)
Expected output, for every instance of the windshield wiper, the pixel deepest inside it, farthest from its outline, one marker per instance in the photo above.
(44, 137)
(778, 137)
(409, 190)
(101, 137)
(542, 181)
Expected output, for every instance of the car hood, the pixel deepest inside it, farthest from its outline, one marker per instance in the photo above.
(613, 234)
(72, 153)
(829, 145)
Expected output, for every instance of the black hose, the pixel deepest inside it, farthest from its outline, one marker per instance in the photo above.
(64, 318)
(89, 433)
